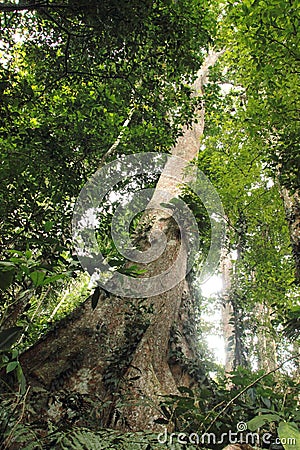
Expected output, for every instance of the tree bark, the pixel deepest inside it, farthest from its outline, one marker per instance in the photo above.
(227, 312)
(266, 344)
(292, 210)
(127, 353)
(231, 318)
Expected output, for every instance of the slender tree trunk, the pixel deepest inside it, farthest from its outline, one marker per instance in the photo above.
(266, 345)
(292, 210)
(227, 312)
(127, 353)
(296, 353)
(231, 320)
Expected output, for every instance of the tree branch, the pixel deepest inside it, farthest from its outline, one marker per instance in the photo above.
(15, 8)
(112, 149)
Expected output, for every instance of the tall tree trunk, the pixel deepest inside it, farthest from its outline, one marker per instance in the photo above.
(292, 210)
(227, 312)
(232, 322)
(266, 345)
(127, 352)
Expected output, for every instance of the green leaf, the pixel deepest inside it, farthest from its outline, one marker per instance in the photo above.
(11, 366)
(9, 336)
(28, 254)
(6, 278)
(289, 436)
(15, 252)
(21, 379)
(259, 421)
(53, 278)
(186, 390)
(167, 205)
(132, 271)
(37, 277)
(7, 264)
(14, 353)
(266, 402)
(48, 225)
